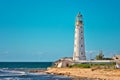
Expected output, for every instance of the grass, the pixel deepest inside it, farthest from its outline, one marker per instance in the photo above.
(80, 66)
(102, 65)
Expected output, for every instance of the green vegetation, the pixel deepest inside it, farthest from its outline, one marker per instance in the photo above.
(100, 56)
(81, 65)
(100, 65)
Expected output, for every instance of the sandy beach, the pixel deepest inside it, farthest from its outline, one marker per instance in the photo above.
(103, 74)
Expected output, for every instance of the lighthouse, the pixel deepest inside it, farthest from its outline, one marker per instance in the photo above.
(79, 46)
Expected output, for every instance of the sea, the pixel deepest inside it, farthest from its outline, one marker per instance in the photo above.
(21, 71)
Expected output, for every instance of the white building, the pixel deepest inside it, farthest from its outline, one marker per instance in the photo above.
(117, 60)
(79, 46)
(63, 62)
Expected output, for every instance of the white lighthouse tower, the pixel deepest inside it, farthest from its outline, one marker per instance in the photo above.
(79, 46)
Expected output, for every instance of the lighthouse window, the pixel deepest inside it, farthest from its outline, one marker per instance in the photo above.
(80, 26)
(81, 53)
(81, 31)
(81, 37)
(81, 45)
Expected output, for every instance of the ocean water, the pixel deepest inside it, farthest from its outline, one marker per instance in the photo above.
(20, 71)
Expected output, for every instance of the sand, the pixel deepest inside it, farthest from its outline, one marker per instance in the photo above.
(103, 74)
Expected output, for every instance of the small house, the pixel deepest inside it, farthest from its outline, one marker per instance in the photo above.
(64, 62)
(117, 60)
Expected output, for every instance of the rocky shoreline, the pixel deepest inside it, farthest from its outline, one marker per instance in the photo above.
(83, 73)
(62, 74)
(37, 71)
(86, 74)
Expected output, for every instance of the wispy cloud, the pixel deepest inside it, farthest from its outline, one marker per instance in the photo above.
(91, 51)
(91, 54)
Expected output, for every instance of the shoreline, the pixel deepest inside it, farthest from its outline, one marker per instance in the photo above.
(92, 74)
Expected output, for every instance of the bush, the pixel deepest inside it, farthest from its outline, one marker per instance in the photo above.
(92, 65)
(80, 65)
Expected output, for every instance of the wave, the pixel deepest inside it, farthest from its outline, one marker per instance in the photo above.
(14, 72)
(7, 72)
(11, 74)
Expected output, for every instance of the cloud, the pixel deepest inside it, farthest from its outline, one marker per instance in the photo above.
(91, 52)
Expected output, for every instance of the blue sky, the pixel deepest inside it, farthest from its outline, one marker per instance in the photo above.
(43, 30)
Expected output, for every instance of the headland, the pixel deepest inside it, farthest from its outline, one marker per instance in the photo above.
(90, 73)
